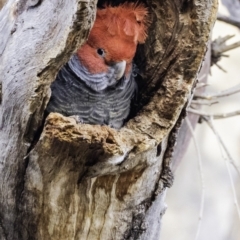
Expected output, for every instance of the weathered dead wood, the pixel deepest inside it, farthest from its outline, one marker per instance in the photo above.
(81, 181)
(184, 136)
(40, 38)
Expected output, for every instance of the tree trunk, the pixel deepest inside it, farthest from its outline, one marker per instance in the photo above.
(63, 180)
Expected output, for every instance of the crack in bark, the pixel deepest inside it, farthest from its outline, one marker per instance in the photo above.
(167, 176)
(138, 224)
(34, 3)
(3, 231)
(159, 150)
(19, 195)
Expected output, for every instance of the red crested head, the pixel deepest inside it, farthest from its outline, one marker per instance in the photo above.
(114, 37)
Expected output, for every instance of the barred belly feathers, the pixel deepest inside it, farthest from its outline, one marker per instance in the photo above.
(97, 85)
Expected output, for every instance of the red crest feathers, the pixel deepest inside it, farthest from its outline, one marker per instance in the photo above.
(129, 20)
(116, 32)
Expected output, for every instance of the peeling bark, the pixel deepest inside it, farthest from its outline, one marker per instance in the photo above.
(66, 180)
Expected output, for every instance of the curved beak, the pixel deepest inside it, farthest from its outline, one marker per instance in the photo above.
(119, 69)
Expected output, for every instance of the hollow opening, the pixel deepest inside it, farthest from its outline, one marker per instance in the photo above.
(104, 109)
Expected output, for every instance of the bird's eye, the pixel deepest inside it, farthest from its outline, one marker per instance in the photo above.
(100, 52)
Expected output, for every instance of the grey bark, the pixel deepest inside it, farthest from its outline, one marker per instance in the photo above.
(2, 2)
(184, 135)
(66, 180)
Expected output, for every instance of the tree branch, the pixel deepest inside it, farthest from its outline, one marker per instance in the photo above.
(219, 47)
(214, 116)
(228, 159)
(225, 93)
(229, 20)
(201, 178)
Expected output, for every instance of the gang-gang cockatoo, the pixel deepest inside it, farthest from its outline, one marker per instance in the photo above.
(97, 85)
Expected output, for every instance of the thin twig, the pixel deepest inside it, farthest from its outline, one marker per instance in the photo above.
(225, 55)
(200, 78)
(201, 177)
(220, 67)
(199, 102)
(228, 20)
(233, 187)
(231, 47)
(225, 93)
(219, 46)
(224, 39)
(214, 116)
(228, 159)
(231, 160)
(200, 85)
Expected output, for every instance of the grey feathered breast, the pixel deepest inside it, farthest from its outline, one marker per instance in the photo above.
(76, 92)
